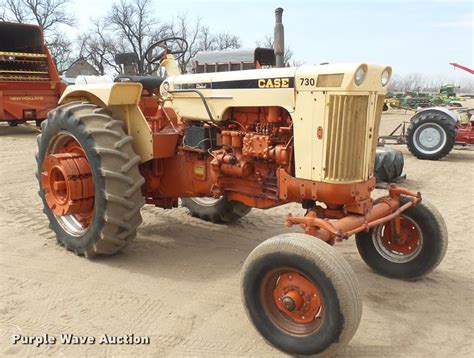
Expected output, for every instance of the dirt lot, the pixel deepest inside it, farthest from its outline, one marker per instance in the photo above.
(179, 281)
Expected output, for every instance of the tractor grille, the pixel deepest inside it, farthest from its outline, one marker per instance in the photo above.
(376, 127)
(349, 134)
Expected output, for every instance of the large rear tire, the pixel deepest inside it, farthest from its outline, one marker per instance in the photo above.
(431, 135)
(218, 210)
(421, 248)
(96, 212)
(301, 295)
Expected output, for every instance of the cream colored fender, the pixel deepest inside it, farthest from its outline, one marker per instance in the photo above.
(122, 100)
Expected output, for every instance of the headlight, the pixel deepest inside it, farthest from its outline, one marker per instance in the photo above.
(359, 76)
(386, 74)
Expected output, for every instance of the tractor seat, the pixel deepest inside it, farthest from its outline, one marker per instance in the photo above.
(150, 83)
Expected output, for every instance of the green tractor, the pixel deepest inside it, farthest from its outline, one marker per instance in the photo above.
(448, 91)
(447, 96)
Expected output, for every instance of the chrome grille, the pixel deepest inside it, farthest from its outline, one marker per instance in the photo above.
(376, 127)
(346, 138)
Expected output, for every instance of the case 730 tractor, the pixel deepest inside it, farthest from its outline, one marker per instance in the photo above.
(228, 142)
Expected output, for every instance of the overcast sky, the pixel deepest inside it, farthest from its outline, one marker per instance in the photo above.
(412, 36)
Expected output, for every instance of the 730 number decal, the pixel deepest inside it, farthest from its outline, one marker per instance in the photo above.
(306, 81)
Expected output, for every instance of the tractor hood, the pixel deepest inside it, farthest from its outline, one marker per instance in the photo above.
(266, 87)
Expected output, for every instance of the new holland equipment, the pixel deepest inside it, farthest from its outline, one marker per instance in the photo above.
(29, 81)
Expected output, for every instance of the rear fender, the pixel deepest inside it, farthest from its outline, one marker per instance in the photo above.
(122, 100)
(450, 114)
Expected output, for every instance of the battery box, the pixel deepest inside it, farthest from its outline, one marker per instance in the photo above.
(200, 137)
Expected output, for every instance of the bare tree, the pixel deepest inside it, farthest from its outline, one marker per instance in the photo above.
(131, 26)
(135, 23)
(99, 47)
(61, 50)
(268, 42)
(226, 41)
(417, 82)
(199, 38)
(211, 42)
(207, 41)
(46, 13)
(190, 30)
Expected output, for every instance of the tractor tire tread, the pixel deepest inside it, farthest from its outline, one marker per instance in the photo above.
(389, 164)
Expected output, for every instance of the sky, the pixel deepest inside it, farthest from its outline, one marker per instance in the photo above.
(412, 36)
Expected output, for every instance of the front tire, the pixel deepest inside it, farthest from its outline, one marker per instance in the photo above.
(89, 179)
(431, 135)
(301, 295)
(422, 246)
(219, 210)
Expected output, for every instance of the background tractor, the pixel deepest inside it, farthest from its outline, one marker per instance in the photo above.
(433, 132)
(448, 91)
(227, 142)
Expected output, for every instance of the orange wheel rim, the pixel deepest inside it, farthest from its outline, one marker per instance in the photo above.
(292, 301)
(401, 248)
(67, 181)
(409, 237)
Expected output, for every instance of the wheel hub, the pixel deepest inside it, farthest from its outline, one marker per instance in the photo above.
(400, 248)
(408, 241)
(68, 183)
(297, 297)
(293, 301)
(430, 138)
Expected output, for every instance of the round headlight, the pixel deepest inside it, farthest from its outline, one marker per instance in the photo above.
(385, 78)
(359, 76)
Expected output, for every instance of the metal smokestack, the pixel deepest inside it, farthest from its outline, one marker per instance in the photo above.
(279, 38)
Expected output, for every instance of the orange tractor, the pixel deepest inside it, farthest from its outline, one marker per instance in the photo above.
(29, 82)
(225, 143)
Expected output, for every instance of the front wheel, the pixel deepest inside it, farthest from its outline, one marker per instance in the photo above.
(419, 250)
(301, 295)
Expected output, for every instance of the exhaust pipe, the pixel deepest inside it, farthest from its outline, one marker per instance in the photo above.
(279, 38)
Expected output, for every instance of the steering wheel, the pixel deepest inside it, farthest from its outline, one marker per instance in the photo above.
(171, 45)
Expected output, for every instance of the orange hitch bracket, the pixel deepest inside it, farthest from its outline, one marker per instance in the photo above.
(386, 209)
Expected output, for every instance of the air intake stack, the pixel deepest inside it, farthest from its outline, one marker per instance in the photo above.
(279, 38)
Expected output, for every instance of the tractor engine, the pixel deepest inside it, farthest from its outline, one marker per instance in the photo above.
(255, 143)
(239, 157)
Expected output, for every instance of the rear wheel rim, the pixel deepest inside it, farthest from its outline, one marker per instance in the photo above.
(429, 138)
(406, 248)
(68, 184)
(292, 301)
(205, 201)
